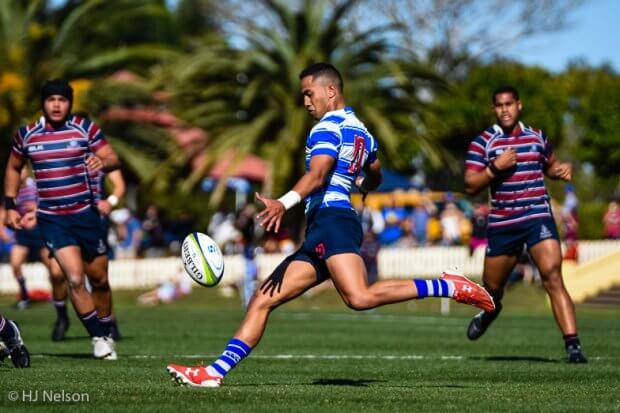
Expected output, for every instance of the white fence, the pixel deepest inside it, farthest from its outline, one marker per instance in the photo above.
(393, 263)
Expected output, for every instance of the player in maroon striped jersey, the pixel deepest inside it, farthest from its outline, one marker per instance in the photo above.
(512, 159)
(64, 150)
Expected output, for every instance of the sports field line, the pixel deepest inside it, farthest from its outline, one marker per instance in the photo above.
(332, 357)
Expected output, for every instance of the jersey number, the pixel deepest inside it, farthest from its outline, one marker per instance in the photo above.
(358, 154)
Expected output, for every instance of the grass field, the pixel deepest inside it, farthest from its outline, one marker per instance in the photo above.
(319, 356)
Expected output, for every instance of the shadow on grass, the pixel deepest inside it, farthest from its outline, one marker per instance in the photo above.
(534, 359)
(68, 355)
(345, 382)
(87, 338)
(74, 338)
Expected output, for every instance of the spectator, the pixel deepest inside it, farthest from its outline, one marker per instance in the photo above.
(244, 222)
(128, 231)
(7, 238)
(393, 215)
(370, 252)
(153, 241)
(450, 224)
(433, 228)
(372, 220)
(570, 223)
(611, 220)
(177, 229)
(223, 231)
(168, 291)
(421, 216)
(407, 239)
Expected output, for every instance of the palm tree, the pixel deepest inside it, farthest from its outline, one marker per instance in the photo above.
(83, 41)
(248, 98)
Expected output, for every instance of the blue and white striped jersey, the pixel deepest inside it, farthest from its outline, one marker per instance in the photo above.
(343, 136)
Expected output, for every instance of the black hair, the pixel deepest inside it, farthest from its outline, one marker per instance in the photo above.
(324, 69)
(505, 89)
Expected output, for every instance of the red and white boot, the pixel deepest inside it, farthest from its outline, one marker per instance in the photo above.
(193, 376)
(468, 292)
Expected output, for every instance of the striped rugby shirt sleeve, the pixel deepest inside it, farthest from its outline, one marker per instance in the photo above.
(96, 138)
(325, 139)
(547, 152)
(477, 159)
(17, 146)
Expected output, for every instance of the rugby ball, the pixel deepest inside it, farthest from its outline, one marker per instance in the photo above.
(202, 259)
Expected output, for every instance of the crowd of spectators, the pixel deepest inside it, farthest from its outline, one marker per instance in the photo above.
(396, 223)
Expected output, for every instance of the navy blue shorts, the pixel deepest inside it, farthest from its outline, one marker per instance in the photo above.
(83, 230)
(329, 231)
(30, 238)
(509, 240)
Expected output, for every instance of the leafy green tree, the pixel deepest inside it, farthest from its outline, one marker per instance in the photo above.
(248, 97)
(595, 108)
(81, 40)
(465, 110)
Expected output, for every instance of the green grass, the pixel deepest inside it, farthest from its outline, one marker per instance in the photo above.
(518, 366)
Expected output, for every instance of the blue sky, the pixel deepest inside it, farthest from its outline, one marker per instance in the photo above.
(594, 34)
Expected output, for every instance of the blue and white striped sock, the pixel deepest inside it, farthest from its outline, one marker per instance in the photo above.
(236, 350)
(434, 288)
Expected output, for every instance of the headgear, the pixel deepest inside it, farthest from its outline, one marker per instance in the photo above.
(56, 87)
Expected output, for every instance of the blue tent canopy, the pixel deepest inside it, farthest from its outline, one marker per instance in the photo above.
(393, 180)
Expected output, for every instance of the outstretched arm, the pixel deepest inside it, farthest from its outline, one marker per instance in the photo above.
(271, 216)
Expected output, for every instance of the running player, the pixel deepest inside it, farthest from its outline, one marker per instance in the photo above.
(338, 148)
(29, 239)
(102, 297)
(12, 344)
(512, 159)
(63, 150)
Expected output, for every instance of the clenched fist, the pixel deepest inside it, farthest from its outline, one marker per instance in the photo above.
(506, 160)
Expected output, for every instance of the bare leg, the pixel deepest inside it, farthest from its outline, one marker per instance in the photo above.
(495, 274)
(60, 286)
(97, 272)
(547, 256)
(349, 275)
(70, 260)
(299, 277)
(60, 292)
(18, 256)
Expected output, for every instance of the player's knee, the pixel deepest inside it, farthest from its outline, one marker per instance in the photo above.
(100, 284)
(262, 302)
(57, 278)
(76, 281)
(359, 301)
(553, 282)
(552, 277)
